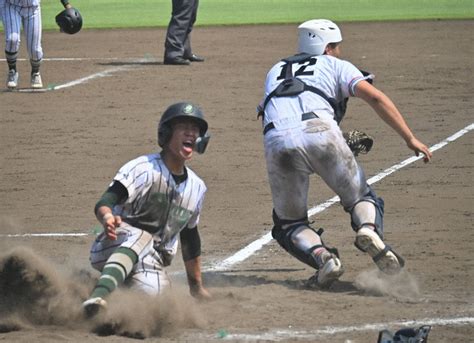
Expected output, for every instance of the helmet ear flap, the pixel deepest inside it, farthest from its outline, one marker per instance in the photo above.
(164, 135)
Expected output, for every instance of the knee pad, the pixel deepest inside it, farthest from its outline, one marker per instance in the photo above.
(368, 211)
(284, 223)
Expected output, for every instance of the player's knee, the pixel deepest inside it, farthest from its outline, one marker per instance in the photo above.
(12, 41)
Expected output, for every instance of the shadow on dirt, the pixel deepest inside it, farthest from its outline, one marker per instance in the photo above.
(236, 279)
(131, 63)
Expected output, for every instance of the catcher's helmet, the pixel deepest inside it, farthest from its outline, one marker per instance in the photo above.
(69, 20)
(183, 110)
(314, 35)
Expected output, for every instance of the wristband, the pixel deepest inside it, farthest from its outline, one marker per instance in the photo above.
(65, 3)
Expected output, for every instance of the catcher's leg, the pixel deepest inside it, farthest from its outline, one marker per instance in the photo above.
(304, 243)
(367, 221)
(288, 174)
(344, 175)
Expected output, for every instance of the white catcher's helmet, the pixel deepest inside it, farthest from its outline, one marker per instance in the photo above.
(314, 35)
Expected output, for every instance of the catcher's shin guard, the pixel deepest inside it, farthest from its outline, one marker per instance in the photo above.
(368, 211)
(301, 240)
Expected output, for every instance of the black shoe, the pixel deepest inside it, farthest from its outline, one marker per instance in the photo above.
(176, 61)
(195, 58)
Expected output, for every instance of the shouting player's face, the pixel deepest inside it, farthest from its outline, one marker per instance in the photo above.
(183, 139)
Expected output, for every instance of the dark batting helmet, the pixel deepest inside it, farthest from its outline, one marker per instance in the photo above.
(183, 110)
(69, 21)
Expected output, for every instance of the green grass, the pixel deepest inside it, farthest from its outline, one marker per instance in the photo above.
(156, 13)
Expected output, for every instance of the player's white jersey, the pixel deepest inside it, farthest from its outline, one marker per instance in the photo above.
(23, 3)
(156, 203)
(335, 77)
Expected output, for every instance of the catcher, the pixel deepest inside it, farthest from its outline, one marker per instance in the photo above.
(304, 101)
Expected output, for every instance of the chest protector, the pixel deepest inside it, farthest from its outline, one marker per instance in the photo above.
(292, 86)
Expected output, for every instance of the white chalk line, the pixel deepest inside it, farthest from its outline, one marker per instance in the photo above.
(277, 335)
(53, 87)
(88, 78)
(65, 59)
(52, 234)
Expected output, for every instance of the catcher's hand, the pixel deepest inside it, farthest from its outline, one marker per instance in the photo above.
(359, 142)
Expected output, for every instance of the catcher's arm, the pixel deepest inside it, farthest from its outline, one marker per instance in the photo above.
(387, 110)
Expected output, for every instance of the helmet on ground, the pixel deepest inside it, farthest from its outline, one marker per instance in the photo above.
(69, 20)
(314, 35)
(182, 110)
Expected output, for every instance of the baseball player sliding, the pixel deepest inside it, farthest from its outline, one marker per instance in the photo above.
(304, 102)
(152, 201)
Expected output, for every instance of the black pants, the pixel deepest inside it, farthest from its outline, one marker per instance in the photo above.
(183, 16)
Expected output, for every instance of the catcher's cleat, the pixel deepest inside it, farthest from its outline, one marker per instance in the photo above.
(93, 306)
(330, 271)
(12, 79)
(36, 81)
(384, 257)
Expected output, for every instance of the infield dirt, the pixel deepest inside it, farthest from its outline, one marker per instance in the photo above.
(61, 148)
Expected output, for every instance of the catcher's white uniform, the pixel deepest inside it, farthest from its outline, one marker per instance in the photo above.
(298, 146)
(156, 210)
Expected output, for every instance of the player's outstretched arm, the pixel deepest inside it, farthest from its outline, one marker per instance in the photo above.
(387, 110)
(191, 251)
(193, 272)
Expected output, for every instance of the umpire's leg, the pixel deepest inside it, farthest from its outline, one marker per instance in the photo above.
(179, 28)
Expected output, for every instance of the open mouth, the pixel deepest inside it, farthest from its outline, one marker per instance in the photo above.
(188, 146)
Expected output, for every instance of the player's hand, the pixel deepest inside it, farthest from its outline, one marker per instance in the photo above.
(200, 293)
(418, 147)
(110, 223)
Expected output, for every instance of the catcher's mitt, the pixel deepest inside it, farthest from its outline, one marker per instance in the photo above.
(359, 142)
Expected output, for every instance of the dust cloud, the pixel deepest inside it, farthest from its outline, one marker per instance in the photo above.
(33, 292)
(402, 286)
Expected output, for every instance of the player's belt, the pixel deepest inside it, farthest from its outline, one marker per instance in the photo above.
(304, 116)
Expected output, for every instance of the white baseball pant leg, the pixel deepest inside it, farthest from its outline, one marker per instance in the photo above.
(148, 274)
